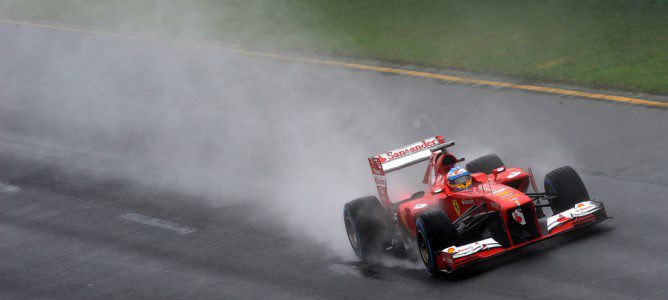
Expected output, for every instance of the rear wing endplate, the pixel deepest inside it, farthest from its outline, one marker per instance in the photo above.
(400, 158)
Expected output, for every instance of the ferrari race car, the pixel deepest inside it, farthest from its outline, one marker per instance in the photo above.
(454, 226)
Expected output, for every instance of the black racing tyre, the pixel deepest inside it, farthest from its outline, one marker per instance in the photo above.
(485, 164)
(368, 227)
(434, 232)
(498, 230)
(567, 185)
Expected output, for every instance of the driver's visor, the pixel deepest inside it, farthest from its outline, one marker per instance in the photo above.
(461, 180)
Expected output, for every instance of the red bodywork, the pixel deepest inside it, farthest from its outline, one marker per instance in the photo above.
(495, 194)
(503, 192)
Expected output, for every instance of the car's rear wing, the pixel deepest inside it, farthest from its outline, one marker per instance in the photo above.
(400, 158)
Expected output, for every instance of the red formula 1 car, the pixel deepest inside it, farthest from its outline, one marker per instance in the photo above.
(452, 228)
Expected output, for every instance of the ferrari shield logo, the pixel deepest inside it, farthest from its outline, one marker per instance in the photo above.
(455, 205)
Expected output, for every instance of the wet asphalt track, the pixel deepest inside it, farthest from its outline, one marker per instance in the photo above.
(64, 234)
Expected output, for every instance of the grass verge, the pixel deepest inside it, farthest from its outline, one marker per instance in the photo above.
(620, 44)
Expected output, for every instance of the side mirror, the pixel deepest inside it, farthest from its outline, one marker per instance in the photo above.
(498, 170)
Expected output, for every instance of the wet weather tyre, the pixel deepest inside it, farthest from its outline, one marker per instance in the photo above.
(434, 232)
(498, 230)
(485, 164)
(567, 185)
(367, 226)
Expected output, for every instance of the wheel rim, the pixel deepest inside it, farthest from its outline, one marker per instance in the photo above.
(352, 234)
(422, 246)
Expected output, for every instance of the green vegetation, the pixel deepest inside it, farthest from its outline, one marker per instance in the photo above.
(605, 43)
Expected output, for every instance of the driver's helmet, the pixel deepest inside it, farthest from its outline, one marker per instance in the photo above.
(459, 178)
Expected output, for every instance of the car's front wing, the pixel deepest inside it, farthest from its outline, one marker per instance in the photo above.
(581, 215)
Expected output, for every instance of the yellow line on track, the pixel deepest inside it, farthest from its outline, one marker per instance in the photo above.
(419, 74)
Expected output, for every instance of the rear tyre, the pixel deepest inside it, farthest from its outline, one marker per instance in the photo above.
(567, 185)
(368, 227)
(434, 232)
(485, 164)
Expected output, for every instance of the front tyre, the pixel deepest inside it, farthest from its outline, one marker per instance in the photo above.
(567, 185)
(434, 232)
(485, 164)
(367, 226)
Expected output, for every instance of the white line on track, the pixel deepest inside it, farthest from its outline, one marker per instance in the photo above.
(159, 223)
(8, 188)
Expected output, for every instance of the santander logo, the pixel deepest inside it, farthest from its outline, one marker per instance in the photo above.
(390, 155)
(518, 216)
